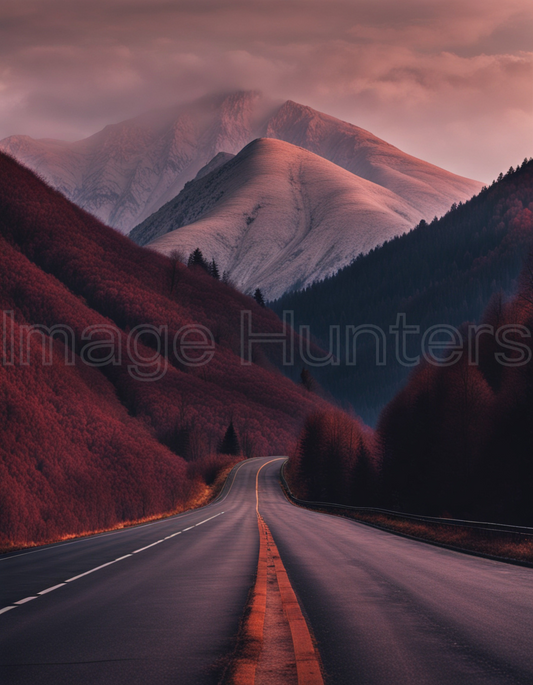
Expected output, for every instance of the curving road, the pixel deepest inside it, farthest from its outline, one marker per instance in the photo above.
(162, 602)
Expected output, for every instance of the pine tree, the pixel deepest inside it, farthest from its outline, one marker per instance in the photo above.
(196, 258)
(213, 270)
(230, 442)
(258, 297)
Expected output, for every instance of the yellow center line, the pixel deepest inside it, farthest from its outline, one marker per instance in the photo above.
(257, 482)
(307, 659)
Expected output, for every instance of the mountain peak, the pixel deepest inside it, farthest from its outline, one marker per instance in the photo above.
(292, 106)
(277, 217)
(129, 170)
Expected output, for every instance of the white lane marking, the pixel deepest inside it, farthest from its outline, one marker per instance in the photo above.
(178, 533)
(97, 568)
(127, 529)
(49, 589)
(209, 519)
(147, 547)
(3, 611)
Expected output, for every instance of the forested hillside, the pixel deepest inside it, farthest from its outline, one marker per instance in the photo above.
(457, 440)
(99, 426)
(444, 272)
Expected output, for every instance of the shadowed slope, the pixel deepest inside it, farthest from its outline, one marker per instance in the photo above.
(89, 446)
(444, 272)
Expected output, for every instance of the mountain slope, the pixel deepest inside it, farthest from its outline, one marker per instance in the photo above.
(440, 273)
(278, 217)
(457, 440)
(428, 188)
(105, 439)
(128, 170)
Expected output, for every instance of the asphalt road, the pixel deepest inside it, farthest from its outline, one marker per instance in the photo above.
(384, 609)
(163, 615)
(387, 610)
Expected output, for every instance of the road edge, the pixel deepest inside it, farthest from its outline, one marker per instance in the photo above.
(435, 543)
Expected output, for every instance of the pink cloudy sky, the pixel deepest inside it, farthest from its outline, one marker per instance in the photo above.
(450, 81)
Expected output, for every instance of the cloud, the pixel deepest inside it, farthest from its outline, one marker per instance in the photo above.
(446, 80)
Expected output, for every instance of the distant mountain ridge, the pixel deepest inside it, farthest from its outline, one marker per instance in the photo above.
(427, 187)
(129, 170)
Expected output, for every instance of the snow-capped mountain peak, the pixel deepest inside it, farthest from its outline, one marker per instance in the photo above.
(127, 171)
(278, 217)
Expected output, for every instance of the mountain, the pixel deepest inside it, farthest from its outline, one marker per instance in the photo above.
(429, 189)
(129, 170)
(444, 272)
(455, 442)
(105, 418)
(278, 217)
